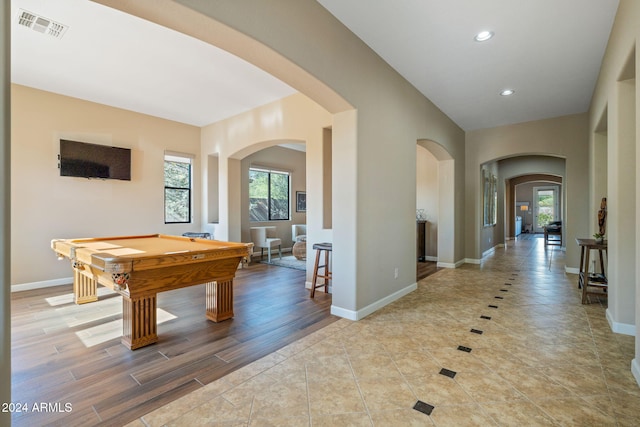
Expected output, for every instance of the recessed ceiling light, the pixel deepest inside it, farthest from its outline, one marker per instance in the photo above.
(483, 36)
(507, 92)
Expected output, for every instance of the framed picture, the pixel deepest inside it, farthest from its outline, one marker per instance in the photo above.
(301, 201)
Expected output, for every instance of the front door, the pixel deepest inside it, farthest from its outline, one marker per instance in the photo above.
(546, 206)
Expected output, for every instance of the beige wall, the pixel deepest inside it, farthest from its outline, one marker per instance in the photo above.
(45, 205)
(614, 120)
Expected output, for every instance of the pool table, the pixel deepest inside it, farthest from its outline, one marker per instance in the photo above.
(138, 267)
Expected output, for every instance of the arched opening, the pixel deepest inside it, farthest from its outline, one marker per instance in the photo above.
(307, 158)
(289, 158)
(521, 191)
(438, 190)
(522, 179)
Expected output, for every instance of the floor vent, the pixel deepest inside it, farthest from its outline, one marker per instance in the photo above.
(425, 408)
(476, 331)
(41, 24)
(485, 317)
(465, 349)
(447, 373)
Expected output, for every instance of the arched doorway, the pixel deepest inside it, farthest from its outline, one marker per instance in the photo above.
(440, 190)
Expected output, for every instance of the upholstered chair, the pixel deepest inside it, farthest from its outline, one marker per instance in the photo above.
(264, 238)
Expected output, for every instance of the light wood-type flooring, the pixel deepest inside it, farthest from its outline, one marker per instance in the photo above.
(69, 356)
(69, 368)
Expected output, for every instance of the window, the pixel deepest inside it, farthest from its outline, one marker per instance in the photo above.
(177, 189)
(268, 195)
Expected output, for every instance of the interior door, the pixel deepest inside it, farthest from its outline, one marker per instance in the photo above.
(545, 206)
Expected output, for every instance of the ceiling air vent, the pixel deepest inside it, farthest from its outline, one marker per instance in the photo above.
(41, 24)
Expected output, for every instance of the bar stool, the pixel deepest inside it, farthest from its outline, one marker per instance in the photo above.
(326, 248)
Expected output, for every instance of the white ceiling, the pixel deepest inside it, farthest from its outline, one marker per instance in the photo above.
(549, 51)
(116, 59)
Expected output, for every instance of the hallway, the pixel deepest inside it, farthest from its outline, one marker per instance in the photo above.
(503, 343)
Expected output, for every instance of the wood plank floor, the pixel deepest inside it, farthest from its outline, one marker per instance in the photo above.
(426, 268)
(63, 353)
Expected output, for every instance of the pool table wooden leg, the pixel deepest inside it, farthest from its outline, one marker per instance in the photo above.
(139, 323)
(220, 300)
(85, 288)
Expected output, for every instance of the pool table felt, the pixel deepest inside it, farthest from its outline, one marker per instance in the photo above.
(135, 247)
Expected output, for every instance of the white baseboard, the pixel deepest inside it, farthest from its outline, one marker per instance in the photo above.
(620, 328)
(472, 261)
(492, 250)
(307, 285)
(364, 312)
(42, 284)
(571, 270)
(450, 265)
(635, 369)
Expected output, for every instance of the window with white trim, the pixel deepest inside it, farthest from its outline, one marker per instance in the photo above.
(268, 195)
(177, 189)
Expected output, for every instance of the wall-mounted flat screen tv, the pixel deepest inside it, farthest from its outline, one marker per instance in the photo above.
(86, 160)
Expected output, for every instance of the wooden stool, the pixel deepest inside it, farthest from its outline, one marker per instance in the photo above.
(326, 248)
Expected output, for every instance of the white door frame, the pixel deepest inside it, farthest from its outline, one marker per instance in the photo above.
(556, 205)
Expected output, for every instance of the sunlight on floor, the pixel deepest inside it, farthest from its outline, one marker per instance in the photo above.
(68, 298)
(78, 315)
(110, 330)
(109, 305)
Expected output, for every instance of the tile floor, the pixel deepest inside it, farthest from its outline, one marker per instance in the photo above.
(505, 343)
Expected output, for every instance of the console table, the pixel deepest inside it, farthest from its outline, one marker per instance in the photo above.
(421, 241)
(591, 283)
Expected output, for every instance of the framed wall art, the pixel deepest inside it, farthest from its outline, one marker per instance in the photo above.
(301, 201)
